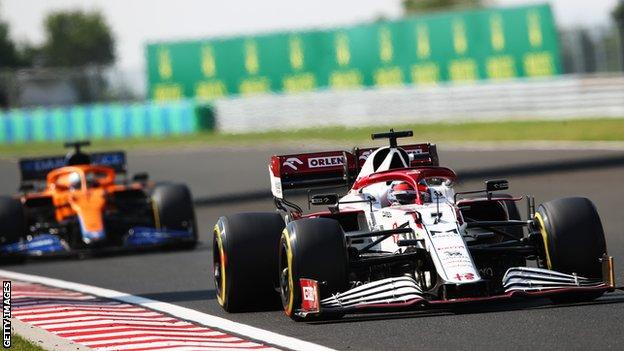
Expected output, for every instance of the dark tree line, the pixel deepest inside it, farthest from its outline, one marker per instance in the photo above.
(9, 55)
(73, 39)
(80, 41)
(419, 6)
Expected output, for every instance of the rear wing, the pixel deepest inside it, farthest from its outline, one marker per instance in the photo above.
(333, 168)
(36, 169)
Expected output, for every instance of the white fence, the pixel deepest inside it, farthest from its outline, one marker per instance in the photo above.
(564, 97)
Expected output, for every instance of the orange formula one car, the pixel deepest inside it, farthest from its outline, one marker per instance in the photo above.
(84, 203)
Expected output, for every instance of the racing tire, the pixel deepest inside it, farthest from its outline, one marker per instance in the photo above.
(12, 220)
(173, 209)
(312, 248)
(245, 253)
(573, 240)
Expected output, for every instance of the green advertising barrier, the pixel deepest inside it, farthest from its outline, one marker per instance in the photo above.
(456, 47)
(107, 121)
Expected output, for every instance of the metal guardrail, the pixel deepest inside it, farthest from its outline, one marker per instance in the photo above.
(563, 97)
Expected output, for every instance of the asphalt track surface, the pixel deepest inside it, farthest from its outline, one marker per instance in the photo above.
(184, 277)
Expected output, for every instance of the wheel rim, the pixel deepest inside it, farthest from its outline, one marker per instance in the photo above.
(284, 275)
(544, 234)
(216, 261)
(219, 269)
(287, 273)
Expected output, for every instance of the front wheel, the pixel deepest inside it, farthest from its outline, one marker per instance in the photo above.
(245, 251)
(311, 248)
(573, 239)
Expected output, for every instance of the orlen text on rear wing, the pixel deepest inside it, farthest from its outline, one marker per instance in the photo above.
(328, 168)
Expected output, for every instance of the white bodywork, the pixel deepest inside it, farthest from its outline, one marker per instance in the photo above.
(440, 235)
(432, 256)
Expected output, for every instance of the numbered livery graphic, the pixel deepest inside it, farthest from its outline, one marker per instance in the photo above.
(402, 238)
(81, 203)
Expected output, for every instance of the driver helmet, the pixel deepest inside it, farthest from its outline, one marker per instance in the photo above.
(74, 180)
(402, 193)
(425, 195)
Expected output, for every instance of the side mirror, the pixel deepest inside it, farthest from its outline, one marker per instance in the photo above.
(140, 177)
(496, 185)
(324, 200)
(490, 186)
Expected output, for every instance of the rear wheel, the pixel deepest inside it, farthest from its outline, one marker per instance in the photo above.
(12, 220)
(573, 239)
(173, 209)
(315, 249)
(245, 255)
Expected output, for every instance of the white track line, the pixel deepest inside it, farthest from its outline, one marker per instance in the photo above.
(177, 311)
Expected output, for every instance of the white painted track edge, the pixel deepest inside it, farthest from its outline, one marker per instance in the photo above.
(176, 311)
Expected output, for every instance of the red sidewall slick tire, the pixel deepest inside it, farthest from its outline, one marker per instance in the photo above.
(312, 248)
(573, 237)
(12, 220)
(245, 252)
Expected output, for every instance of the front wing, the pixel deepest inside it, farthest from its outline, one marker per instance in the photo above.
(403, 293)
(140, 238)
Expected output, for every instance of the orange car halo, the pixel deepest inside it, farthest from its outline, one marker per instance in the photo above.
(81, 191)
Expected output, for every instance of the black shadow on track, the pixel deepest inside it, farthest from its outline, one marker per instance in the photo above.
(480, 308)
(181, 296)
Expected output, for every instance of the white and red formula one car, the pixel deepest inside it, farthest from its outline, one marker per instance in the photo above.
(402, 238)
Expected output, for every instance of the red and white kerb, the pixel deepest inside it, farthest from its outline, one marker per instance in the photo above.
(103, 324)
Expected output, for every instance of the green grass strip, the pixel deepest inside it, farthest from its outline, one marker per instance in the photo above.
(20, 344)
